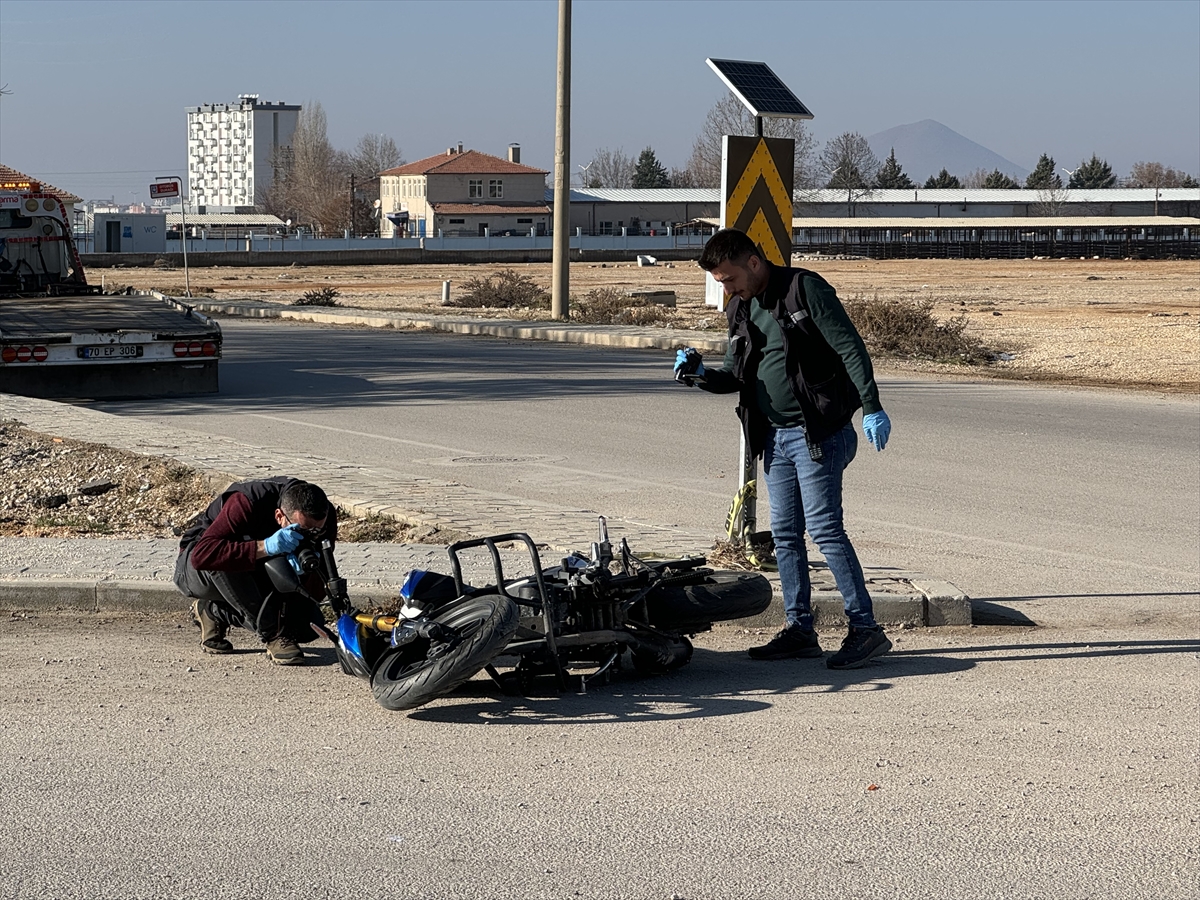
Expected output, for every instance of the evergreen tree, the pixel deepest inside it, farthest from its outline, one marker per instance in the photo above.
(649, 172)
(891, 175)
(1189, 181)
(943, 179)
(998, 179)
(1043, 177)
(1095, 173)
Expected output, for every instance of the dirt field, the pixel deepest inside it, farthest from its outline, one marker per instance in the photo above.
(1124, 323)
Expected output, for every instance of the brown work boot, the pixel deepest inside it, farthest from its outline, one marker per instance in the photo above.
(283, 651)
(212, 632)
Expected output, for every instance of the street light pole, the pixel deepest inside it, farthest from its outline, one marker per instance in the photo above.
(560, 285)
(187, 286)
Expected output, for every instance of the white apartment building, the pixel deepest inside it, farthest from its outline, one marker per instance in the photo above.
(233, 148)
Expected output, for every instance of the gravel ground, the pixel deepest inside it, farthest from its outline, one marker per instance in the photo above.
(56, 487)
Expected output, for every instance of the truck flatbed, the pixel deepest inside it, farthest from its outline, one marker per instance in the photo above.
(43, 316)
(106, 347)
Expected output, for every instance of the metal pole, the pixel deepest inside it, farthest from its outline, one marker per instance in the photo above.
(560, 290)
(187, 285)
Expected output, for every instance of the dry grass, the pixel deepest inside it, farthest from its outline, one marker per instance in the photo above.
(326, 296)
(609, 306)
(506, 289)
(908, 329)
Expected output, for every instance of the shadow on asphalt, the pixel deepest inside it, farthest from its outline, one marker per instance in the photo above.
(715, 683)
(993, 611)
(316, 368)
(727, 683)
(989, 653)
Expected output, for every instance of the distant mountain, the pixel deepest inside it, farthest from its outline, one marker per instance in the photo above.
(926, 147)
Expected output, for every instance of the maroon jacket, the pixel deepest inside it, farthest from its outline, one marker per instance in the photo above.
(223, 538)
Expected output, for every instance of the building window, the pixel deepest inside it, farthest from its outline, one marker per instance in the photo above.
(524, 221)
(475, 188)
(458, 221)
(606, 228)
(495, 188)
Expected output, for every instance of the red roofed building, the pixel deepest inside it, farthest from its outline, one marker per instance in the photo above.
(463, 193)
(11, 179)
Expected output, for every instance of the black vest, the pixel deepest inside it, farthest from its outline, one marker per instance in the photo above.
(263, 495)
(816, 373)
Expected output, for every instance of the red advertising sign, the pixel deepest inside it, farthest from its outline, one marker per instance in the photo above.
(164, 189)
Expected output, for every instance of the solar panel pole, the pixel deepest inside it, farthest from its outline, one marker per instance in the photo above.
(560, 280)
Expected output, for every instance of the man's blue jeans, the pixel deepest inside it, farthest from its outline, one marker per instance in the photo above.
(808, 494)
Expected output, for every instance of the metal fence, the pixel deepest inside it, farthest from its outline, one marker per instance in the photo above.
(266, 243)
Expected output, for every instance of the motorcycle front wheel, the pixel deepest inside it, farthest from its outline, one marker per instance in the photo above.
(412, 675)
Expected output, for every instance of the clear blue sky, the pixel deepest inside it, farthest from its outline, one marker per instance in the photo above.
(99, 88)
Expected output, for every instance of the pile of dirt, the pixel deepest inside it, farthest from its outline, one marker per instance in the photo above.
(57, 487)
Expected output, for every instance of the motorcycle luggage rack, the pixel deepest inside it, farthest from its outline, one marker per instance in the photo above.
(498, 568)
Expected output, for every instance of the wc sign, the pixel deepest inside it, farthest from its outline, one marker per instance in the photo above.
(163, 189)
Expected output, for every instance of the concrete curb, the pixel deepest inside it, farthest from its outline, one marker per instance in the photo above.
(506, 328)
(110, 595)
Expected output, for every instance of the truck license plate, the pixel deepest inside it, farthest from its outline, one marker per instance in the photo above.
(110, 351)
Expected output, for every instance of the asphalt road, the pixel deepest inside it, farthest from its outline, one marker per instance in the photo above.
(969, 763)
(1016, 762)
(1071, 505)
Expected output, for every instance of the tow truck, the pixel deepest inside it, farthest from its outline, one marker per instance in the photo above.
(61, 338)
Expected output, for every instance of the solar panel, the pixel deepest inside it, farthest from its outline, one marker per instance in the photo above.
(759, 89)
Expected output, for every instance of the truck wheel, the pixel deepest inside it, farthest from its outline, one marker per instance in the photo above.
(720, 597)
(410, 676)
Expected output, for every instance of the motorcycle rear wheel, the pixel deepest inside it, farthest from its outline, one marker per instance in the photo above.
(406, 677)
(720, 597)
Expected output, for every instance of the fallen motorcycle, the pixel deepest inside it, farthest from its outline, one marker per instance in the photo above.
(574, 624)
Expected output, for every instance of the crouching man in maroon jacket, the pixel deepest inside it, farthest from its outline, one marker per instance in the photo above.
(222, 556)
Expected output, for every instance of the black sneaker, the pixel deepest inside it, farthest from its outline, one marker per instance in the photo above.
(791, 643)
(212, 633)
(859, 646)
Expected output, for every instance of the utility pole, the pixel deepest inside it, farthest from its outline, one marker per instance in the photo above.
(560, 285)
(351, 204)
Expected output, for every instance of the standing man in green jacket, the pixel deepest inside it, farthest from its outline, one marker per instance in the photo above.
(801, 370)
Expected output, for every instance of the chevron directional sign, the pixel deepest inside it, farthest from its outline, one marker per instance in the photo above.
(756, 192)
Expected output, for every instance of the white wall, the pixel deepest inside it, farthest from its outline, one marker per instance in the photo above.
(139, 233)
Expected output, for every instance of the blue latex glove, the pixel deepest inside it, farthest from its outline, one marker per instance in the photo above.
(295, 563)
(688, 366)
(285, 540)
(877, 426)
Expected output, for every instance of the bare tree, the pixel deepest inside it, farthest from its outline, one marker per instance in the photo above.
(682, 178)
(729, 116)
(373, 154)
(312, 183)
(1051, 200)
(976, 178)
(611, 169)
(1156, 175)
(851, 165)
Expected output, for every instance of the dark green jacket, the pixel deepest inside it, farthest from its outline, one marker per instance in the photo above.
(827, 369)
